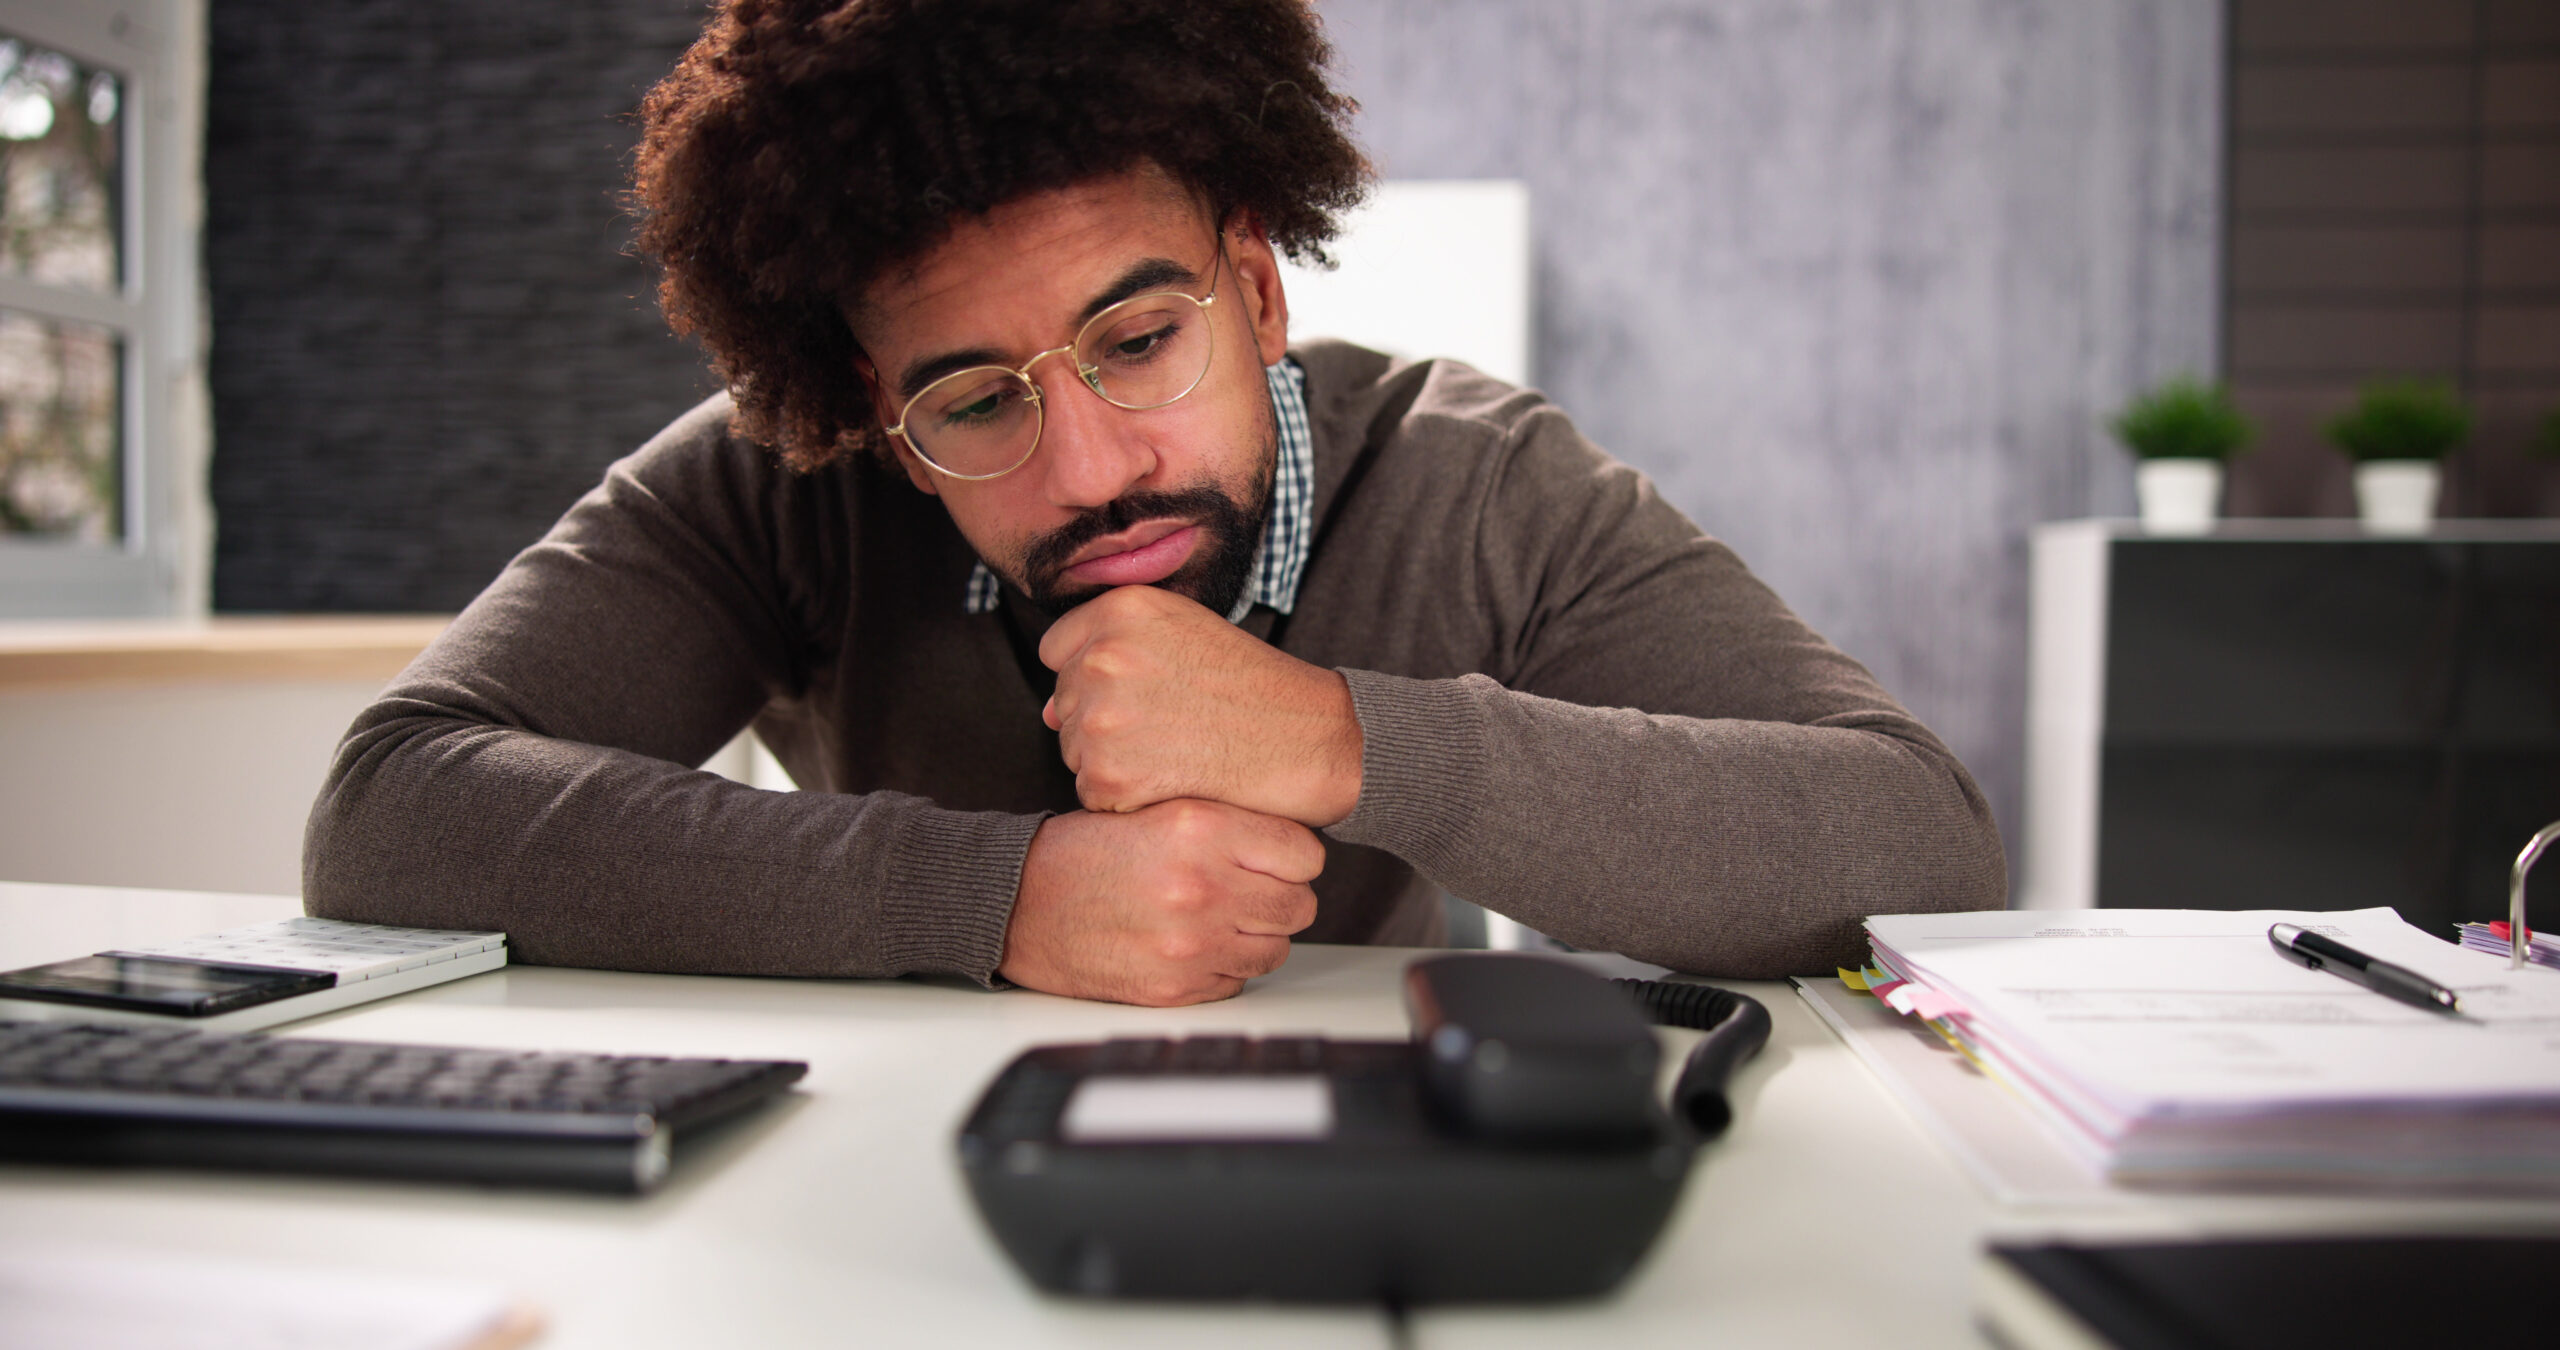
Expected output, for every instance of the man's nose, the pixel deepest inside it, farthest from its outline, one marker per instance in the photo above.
(1090, 451)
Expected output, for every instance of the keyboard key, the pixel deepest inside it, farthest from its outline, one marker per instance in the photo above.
(1210, 1054)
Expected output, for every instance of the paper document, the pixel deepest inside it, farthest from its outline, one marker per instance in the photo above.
(2007, 1150)
(2195, 1005)
(136, 1300)
(2177, 1044)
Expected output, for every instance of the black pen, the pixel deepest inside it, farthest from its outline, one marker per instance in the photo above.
(2305, 947)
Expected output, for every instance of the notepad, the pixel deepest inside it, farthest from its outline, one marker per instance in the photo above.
(2174, 1047)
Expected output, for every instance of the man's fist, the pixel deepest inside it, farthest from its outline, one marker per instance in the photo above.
(1158, 699)
(1180, 902)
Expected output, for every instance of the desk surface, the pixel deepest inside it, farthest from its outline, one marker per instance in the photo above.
(840, 1216)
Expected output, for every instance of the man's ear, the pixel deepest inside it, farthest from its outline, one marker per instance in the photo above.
(1257, 268)
(917, 473)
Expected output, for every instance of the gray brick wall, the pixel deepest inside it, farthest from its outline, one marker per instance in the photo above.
(427, 336)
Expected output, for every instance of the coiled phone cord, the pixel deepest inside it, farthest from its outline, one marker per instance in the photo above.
(1736, 1026)
(1699, 1007)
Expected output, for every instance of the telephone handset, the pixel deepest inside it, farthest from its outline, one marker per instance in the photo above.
(1530, 1049)
(1512, 1149)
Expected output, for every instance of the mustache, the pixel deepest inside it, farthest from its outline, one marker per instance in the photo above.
(1050, 552)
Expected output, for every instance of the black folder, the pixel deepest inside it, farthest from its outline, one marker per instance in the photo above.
(2330, 1292)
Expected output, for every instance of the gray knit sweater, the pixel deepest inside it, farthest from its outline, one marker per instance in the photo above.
(1578, 710)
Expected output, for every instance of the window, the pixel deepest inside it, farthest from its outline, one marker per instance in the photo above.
(99, 373)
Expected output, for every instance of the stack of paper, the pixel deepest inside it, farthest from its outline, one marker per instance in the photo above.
(2540, 948)
(103, 1299)
(2175, 1047)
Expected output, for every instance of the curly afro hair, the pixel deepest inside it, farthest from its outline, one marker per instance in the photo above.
(802, 147)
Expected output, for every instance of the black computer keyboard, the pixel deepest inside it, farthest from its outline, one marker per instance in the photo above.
(74, 1092)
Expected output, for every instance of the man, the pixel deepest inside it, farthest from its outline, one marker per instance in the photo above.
(1113, 643)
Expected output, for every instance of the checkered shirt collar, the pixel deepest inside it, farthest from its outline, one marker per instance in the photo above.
(1281, 556)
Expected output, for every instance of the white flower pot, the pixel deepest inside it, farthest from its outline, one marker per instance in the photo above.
(2178, 496)
(2397, 496)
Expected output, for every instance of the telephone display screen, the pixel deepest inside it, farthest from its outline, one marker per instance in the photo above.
(155, 984)
(1179, 1107)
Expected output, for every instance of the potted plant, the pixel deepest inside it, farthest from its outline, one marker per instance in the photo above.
(2398, 433)
(2181, 432)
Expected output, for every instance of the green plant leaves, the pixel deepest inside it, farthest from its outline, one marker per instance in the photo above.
(2183, 419)
(2402, 419)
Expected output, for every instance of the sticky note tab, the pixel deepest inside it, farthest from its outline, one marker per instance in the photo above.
(1855, 979)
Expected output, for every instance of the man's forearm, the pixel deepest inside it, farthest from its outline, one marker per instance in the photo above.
(591, 856)
(1724, 847)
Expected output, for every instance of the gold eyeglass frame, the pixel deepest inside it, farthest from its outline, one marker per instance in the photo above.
(1088, 376)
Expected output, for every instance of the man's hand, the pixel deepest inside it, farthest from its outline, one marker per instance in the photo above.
(1158, 699)
(1181, 902)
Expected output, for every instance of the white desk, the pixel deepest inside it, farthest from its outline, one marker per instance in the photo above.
(839, 1216)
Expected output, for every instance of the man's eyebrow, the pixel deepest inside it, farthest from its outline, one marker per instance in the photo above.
(922, 372)
(1147, 274)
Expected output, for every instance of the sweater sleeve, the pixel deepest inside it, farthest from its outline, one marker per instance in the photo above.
(1660, 759)
(531, 770)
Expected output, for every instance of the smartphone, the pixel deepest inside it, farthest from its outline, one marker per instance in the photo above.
(158, 984)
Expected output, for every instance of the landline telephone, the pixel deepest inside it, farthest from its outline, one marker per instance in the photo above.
(1513, 1149)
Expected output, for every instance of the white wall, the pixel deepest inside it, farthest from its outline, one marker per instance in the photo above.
(195, 785)
(201, 785)
(1427, 269)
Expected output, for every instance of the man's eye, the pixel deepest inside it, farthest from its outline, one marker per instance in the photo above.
(1139, 346)
(987, 406)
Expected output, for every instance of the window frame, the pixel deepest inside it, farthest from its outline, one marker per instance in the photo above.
(160, 564)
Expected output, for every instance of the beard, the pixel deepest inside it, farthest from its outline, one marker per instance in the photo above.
(1217, 572)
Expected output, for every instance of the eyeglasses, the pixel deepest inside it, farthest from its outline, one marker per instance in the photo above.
(1144, 352)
